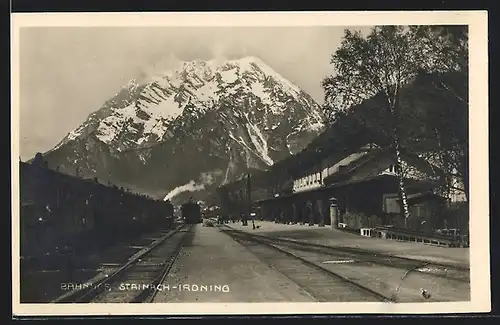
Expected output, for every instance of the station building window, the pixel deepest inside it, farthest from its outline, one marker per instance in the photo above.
(391, 203)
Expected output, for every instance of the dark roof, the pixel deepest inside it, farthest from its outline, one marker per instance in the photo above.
(352, 166)
(409, 157)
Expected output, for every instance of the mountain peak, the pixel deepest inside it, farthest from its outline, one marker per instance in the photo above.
(232, 114)
(204, 68)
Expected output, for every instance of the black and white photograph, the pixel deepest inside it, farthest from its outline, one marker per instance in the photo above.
(188, 163)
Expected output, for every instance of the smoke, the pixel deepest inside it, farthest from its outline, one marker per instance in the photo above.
(189, 187)
(205, 179)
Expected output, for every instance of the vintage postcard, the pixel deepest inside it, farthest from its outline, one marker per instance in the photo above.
(250, 163)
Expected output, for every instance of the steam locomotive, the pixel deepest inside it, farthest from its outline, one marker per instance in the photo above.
(191, 213)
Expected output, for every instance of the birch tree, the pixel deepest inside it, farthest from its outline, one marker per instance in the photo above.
(380, 64)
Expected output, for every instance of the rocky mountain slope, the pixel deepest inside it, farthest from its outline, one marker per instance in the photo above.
(192, 128)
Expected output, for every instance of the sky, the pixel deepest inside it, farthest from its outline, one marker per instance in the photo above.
(66, 73)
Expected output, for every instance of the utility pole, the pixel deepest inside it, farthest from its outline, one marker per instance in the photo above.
(248, 201)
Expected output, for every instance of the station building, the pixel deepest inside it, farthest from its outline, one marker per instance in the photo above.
(355, 187)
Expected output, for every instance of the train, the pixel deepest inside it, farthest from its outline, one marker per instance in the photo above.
(58, 211)
(191, 213)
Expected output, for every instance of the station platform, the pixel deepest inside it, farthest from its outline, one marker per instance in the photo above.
(338, 238)
(212, 267)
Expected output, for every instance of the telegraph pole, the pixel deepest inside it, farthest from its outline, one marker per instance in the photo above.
(249, 199)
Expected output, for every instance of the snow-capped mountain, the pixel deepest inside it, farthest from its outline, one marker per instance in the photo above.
(190, 128)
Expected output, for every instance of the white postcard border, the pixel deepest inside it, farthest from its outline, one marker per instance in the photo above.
(478, 136)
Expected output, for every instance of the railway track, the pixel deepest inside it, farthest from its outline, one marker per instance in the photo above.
(138, 280)
(320, 283)
(441, 270)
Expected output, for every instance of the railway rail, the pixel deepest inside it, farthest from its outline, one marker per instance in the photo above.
(139, 279)
(437, 269)
(320, 283)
